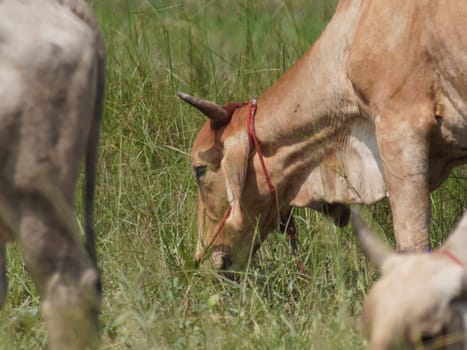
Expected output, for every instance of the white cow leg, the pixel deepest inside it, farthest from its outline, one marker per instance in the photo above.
(3, 276)
(404, 149)
(64, 274)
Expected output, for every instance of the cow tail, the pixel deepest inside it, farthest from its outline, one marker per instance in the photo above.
(91, 156)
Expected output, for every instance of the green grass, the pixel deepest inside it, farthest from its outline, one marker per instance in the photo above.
(153, 298)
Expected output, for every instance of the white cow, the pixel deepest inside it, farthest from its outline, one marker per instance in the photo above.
(51, 96)
(413, 298)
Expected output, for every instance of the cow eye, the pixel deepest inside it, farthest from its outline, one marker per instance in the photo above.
(200, 171)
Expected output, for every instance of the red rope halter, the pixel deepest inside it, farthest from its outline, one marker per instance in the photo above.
(451, 256)
(219, 228)
(289, 227)
(253, 139)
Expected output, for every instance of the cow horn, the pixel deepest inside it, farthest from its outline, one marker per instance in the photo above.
(216, 113)
(372, 246)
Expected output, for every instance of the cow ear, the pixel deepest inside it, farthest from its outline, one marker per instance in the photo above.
(373, 247)
(234, 165)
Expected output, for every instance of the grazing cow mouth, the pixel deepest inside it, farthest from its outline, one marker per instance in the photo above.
(221, 261)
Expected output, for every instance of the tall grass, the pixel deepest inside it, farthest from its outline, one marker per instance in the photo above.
(153, 298)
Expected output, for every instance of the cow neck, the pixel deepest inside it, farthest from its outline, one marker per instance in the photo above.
(289, 226)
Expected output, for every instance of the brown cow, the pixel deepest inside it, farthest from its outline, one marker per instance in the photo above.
(413, 299)
(51, 96)
(377, 107)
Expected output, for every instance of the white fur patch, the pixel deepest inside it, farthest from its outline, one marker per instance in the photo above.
(363, 163)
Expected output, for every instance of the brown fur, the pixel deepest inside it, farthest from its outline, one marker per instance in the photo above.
(353, 121)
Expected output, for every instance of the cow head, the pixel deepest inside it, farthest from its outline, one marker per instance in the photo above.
(229, 201)
(413, 297)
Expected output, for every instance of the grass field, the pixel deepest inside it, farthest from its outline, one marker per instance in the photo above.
(146, 197)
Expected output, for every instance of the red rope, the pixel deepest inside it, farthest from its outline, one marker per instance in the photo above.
(292, 233)
(252, 137)
(451, 256)
(254, 145)
(219, 228)
(253, 140)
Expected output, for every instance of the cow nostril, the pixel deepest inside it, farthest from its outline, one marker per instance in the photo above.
(226, 262)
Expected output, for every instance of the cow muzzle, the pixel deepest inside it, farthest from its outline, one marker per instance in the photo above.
(221, 261)
(218, 260)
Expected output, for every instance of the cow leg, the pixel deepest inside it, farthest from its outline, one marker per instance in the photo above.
(404, 148)
(3, 277)
(65, 276)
